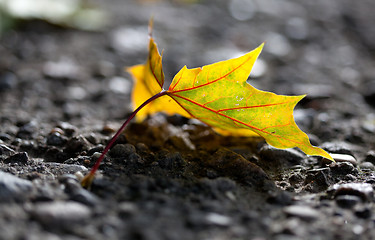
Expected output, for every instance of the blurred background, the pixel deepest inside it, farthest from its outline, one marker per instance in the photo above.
(64, 60)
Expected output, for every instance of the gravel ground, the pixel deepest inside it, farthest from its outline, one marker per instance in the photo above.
(63, 93)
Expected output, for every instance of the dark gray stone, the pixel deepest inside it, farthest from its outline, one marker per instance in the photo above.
(122, 150)
(5, 150)
(369, 92)
(274, 157)
(370, 157)
(68, 128)
(21, 158)
(340, 170)
(13, 188)
(77, 144)
(318, 180)
(362, 190)
(362, 211)
(338, 147)
(56, 139)
(367, 166)
(75, 191)
(27, 130)
(347, 201)
(7, 81)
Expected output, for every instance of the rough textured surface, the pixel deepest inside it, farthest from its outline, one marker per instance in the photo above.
(63, 93)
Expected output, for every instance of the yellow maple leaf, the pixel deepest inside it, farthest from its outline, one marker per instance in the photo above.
(219, 96)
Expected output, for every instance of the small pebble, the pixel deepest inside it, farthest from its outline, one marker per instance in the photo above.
(362, 190)
(129, 40)
(56, 139)
(362, 212)
(370, 157)
(52, 214)
(142, 148)
(347, 201)
(67, 177)
(5, 137)
(122, 150)
(63, 69)
(120, 85)
(368, 124)
(76, 144)
(278, 44)
(5, 150)
(259, 68)
(303, 212)
(92, 138)
(27, 130)
(22, 158)
(297, 28)
(13, 188)
(79, 175)
(318, 179)
(281, 198)
(229, 163)
(218, 219)
(66, 168)
(343, 158)
(76, 92)
(277, 156)
(242, 9)
(95, 156)
(94, 150)
(367, 165)
(358, 229)
(338, 147)
(104, 69)
(342, 169)
(78, 194)
(369, 92)
(107, 130)
(7, 81)
(68, 128)
(127, 209)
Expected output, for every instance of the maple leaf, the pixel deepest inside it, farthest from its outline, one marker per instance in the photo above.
(219, 96)
(149, 80)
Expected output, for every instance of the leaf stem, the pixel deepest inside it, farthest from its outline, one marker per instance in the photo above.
(87, 180)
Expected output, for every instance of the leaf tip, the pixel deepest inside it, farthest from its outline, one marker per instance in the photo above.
(317, 151)
(327, 156)
(150, 26)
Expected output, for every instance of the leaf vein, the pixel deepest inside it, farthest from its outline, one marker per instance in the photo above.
(153, 72)
(233, 119)
(215, 80)
(256, 106)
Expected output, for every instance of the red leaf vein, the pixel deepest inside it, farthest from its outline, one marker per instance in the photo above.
(215, 80)
(172, 94)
